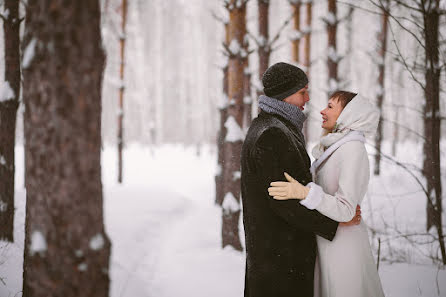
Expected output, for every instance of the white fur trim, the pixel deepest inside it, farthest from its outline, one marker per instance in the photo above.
(314, 196)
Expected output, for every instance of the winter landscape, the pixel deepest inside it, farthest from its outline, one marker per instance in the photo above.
(162, 220)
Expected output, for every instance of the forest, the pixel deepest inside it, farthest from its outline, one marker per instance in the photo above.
(122, 124)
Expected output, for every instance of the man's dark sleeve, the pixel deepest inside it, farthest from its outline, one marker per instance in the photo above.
(274, 156)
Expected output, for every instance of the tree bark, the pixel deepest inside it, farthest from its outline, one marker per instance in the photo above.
(219, 188)
(307, 57)
(233, 146)
(296, 26)
(264, 47)
(381, 86)
(332, 61)
(8, 115)
(66, 248)
(432, 122)
(121, 88)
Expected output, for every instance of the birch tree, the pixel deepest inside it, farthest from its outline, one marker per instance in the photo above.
(66, 251)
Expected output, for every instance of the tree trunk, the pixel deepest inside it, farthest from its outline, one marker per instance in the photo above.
(219, 188)
(432, 122)
(9, 104)
(264, 47)
(296, 26)
(66, 248)
(121, 88)
(307, 58)
(332, 61)
(381, 86)
(247, 96)
(234, 137)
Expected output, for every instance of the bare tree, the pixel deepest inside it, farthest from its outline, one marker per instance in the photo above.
(233, 123)
(9, 103)
(425, 19)
(66, 249)
(381, 87)
(122, 38)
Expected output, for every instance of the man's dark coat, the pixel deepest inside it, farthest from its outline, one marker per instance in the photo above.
(280, 235)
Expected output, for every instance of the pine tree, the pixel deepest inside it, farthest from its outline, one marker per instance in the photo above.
(333, 58)
(9, 103)
(233, 123)
(264, 46)
(66, 250)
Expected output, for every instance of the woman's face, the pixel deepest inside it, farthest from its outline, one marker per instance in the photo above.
(331, 113)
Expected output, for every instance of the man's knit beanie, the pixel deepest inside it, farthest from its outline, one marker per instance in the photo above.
(282, 80)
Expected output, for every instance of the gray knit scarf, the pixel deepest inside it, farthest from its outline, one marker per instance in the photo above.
(288, 111)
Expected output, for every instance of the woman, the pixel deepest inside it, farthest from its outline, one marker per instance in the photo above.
(345, 267)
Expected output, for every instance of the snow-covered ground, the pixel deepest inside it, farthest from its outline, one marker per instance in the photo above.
(166, 230)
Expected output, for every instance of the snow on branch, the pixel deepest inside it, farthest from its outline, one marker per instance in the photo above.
(6, 92)
(97, 242)
(332, 55)
(230, 204)
(38, 243)
(330, 19)
(29, 53)
(234, 131)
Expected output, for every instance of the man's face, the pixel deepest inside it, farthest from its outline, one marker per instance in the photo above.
(299, 98)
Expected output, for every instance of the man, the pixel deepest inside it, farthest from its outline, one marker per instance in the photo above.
(280, 235)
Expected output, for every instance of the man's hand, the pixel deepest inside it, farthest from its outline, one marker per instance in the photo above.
(356, 219)
(288, 190)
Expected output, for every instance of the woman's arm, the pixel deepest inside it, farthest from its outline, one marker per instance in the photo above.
(352, 185)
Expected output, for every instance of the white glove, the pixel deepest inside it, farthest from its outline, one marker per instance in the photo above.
(288, 190)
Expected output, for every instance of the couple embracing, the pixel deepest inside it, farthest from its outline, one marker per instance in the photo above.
(304, 235)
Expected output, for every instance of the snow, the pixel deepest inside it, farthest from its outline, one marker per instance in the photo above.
(166, 240)
(82, 267)
(6, 14)
(379, 90)
(3, 206)
(332, 54)
(234, 47)
(97, 242)
(29, 53)
(247, 100)
(234, 131)
(295, 35)
(333, 85)
(262, 41)
(230, 204)
(2, 161)
(330, 18)
(236, 175)
(6, 92)
(38, 243)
